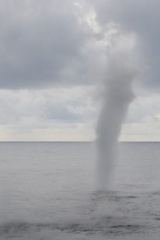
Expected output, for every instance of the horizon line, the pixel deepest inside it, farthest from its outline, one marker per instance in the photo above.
(43, 141)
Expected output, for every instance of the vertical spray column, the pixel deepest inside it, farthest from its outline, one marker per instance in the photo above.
(122, 68)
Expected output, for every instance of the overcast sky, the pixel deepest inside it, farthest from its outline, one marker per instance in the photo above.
(54, 60)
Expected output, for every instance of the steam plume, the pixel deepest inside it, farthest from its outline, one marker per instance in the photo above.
(122, 69)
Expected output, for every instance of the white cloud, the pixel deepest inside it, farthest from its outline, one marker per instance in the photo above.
(45, 114)
(143, 120)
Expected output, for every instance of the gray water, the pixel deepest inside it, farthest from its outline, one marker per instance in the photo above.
(47, 191)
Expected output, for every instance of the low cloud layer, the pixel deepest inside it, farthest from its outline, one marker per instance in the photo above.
(45, 106)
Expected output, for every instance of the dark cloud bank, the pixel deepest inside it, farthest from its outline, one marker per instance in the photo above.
(43, 43)
(142, 18)
(40, 44)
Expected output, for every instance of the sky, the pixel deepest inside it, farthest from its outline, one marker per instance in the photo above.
(54, 57)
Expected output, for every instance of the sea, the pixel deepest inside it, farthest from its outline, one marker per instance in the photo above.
(47, 192)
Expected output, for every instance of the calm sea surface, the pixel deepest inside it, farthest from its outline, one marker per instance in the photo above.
(47, 191)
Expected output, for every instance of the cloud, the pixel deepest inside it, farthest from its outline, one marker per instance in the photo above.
(143, 108)
(43, 108)
(46, 115)
(41, 44)
(58, 45)
(61, 43)
(142, 18)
